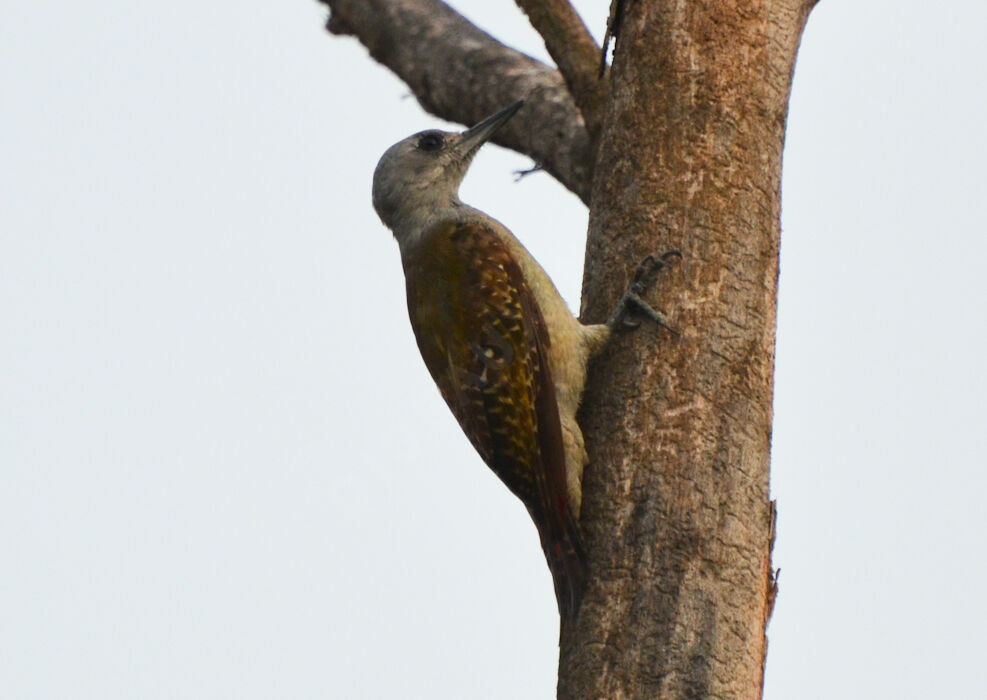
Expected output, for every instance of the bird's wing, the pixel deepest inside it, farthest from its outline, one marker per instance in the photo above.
(485, 343)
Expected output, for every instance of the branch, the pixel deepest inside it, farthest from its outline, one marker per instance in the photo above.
(462, 74)
(613, 28)
(574, 51)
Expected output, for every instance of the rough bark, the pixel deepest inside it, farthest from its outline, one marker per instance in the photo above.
(676, 513)
(676, 510)
(462, 74)
(574, 51)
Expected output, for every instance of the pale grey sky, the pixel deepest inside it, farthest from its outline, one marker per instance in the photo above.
(225, 473)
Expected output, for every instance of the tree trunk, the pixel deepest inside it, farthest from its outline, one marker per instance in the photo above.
(676, 514)
(676, 511)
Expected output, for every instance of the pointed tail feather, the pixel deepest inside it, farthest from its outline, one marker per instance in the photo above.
(567, 561)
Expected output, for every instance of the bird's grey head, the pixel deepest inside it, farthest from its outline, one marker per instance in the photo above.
(417, 179)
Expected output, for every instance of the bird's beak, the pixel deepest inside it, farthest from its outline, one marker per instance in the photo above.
(474, 137)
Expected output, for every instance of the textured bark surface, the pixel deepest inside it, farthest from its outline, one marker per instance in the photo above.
(462, 74)
(575, 52)
(676, 514)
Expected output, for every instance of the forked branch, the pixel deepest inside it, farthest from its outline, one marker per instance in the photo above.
(460, 73)
(575, 52)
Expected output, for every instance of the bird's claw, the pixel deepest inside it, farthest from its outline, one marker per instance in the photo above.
(632, 301)
(650, 267)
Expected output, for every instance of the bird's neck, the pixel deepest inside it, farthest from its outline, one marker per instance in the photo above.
(412, 225)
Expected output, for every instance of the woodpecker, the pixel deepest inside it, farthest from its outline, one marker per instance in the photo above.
(508, 356)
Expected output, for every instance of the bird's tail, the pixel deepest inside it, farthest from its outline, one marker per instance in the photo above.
(563, 549)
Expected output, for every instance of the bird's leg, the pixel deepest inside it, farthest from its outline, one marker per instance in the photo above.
(632, 302)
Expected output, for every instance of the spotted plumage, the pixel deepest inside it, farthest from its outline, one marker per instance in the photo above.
(505, 351)
(485, 343)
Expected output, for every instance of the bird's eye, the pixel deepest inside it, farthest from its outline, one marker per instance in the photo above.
(432, 141)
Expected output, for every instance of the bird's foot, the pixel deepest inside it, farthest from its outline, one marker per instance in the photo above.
(632, 304)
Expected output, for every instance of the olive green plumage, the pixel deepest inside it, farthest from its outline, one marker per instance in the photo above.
(486, 344)
(505, 351)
